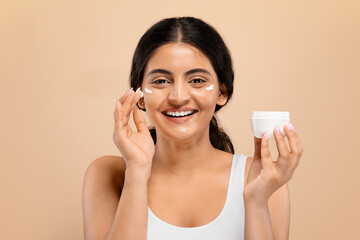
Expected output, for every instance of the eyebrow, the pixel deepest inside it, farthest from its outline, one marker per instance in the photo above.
(192, 71)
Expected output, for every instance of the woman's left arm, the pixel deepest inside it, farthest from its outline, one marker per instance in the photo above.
(279, 209)
(269, 221)
(266, 194)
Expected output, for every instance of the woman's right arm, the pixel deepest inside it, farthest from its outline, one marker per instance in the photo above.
(131, 216)
(106, 214)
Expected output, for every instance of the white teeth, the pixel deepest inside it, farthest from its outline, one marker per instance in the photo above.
(179, 114)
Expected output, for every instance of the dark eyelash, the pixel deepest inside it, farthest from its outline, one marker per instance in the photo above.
(158, 81)
(198, 79)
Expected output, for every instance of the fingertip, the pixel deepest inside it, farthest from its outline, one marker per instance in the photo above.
(289, 130)
(289, 126)
(278, 134)
(139, 95)
(135, 110)
(277, 131)
(265, 136)
(123, 97)
(116, 103)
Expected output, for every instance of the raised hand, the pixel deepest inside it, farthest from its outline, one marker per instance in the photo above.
(137, 148)
(266, 176)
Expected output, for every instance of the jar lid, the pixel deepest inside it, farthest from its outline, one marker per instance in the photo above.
(270, 114)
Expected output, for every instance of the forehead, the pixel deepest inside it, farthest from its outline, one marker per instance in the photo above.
(178, 57)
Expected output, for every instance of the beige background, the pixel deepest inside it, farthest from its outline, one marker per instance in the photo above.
(63, 62)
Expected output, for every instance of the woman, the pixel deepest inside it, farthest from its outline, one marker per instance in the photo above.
(182, 180)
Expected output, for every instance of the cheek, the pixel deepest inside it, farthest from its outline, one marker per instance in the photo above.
(154, 99)
(153, 102)
(206, 98)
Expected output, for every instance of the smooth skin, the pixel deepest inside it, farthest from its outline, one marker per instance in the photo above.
(183, 164)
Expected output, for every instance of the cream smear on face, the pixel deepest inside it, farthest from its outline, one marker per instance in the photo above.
(210, 88)
(147, 90)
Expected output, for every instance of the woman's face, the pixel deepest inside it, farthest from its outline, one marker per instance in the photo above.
(181, 91)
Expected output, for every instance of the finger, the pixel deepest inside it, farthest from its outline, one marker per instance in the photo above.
(265, 152)
(123, 97)
(117, 110)
(294, 142)
(296, 148)
(281, 145)
(118, 124)
(139, 121)
(126, 108)
(138, 95)
(257, 143)
(133, 99)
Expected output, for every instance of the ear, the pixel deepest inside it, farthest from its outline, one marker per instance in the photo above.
(223, 96)
(140, 104)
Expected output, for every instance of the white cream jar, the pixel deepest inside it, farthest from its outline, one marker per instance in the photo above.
(266, 121)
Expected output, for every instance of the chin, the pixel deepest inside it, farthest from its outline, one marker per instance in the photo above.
(183, 134)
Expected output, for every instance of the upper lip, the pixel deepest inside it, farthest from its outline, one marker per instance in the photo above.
(181, 109)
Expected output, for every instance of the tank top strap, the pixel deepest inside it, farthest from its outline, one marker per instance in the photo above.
(237, 180)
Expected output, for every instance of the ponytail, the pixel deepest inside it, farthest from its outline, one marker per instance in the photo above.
(218, 138)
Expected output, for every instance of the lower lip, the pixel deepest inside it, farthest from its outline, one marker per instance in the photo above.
(179, 120)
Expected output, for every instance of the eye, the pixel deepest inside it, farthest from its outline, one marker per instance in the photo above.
(197, 80)
(160, 82)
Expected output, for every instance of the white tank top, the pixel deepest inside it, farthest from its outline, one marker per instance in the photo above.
(228, 225)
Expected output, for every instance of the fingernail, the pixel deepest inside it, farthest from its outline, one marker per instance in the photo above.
(123, 93)
(142, 94)
(115, 101)
(137, 90)
(277, 130)
(266, 136)
(289, 126)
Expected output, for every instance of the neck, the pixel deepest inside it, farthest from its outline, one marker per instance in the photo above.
(183, 157)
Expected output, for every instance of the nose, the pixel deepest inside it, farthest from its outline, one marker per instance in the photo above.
(179, 94)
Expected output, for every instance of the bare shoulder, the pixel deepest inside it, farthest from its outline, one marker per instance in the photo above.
(102, 185)
(108, 169)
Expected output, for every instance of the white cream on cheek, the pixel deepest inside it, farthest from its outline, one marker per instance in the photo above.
(147, 90)
(210, 88)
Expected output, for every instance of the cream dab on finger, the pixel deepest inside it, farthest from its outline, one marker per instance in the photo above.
(209, 88)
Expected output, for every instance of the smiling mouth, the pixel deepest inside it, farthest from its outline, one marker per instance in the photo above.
(179, 114)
